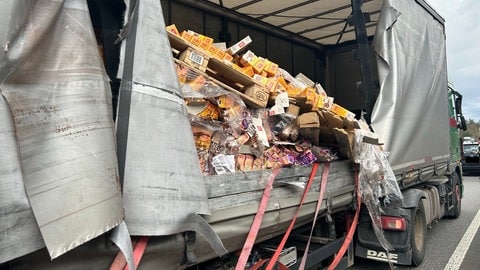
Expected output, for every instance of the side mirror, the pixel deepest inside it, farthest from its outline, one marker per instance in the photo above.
(463, 124)
(458, 104)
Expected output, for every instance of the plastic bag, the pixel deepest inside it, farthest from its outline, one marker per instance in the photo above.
(377, 181)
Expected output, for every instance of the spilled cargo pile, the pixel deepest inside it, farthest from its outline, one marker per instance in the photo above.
(247, 113)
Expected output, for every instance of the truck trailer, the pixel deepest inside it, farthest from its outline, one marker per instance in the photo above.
(102, 168)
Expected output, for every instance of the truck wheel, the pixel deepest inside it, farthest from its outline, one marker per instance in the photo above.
(457, 200)
(418, 234)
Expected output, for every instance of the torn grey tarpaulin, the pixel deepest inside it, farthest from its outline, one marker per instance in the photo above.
(162, 182)
(57, 91)
(18, 227)
(412, 67)
(121, 237)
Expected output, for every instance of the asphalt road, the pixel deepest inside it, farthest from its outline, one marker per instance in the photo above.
(458, 237)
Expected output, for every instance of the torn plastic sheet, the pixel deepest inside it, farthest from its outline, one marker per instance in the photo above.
(57, 91)
(376, 182)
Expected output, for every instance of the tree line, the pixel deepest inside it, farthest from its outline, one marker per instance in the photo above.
(473, 129)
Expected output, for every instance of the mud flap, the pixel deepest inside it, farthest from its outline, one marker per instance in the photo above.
(403, 258)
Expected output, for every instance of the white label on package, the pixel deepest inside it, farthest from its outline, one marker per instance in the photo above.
(282, 100)
(223, 164)
(320, 89)
(329, 103)
(276, 109)
(196, 58)
(261, 134)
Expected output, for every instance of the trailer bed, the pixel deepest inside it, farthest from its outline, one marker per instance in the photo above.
(233, 201)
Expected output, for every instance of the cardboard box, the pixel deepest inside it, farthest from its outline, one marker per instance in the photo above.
(345, 141)
(320, 103)
(173, 29)
(309, 124)
(247, 58)
(331, 120)
(350, 125)
(196, 41)
(204, 46)
(248, 71)
(271, 85)
(220, 45)
(339, 110)
(228, 57)
(202, 38)
(271, 68)
(310, 119)
(305, 80)
(310, 94)
(260, 79)
(195, 58)
(237, 47)
(220, 54)
(293, 110)
(294, 92)
(326, 136)
(258, 65)
(186, 36)
(282, 82)
(212, 50)
(207, 39)
(258, 93)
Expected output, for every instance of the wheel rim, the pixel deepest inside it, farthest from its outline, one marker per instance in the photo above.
(418, 231)
(457, 195)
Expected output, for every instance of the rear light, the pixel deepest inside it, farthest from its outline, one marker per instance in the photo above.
(394, 223)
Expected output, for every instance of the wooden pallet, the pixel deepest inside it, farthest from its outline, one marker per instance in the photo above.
(249, 100)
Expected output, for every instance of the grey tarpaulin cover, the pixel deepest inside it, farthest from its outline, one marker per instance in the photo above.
(18, 229)
(57, 91)
(413, 83)
(19, 233)
(162, 182)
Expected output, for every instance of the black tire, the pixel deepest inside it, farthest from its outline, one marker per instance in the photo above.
(418, 234)
(457, 199)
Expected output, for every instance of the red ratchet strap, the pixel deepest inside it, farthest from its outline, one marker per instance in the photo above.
(120, 263)
(279, 249)
(323, 187)
(351, 231)
(255, 227)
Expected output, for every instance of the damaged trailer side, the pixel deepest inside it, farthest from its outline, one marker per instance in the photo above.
(25, 72)
(137, 169)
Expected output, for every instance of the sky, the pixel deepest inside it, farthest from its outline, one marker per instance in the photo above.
(462, 23)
